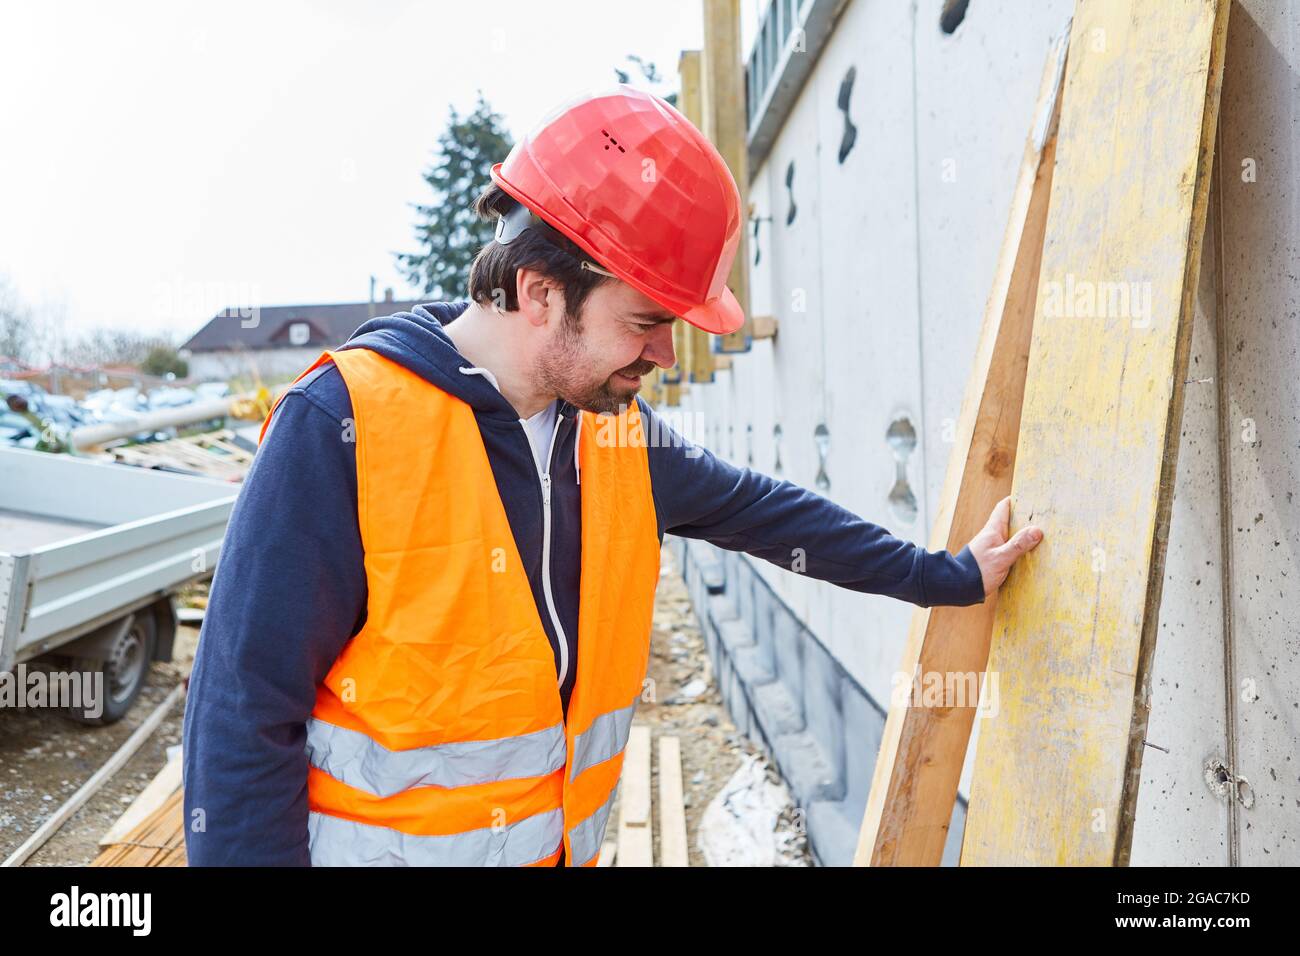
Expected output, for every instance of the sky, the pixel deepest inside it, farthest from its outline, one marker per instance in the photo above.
(162, 161)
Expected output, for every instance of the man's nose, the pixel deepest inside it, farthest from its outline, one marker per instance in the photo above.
(660, 347)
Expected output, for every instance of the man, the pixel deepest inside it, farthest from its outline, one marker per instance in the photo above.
(430, 626)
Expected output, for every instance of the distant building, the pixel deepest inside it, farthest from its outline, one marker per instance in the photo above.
(277, 341)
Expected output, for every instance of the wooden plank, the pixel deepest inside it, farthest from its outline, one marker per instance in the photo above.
(166, 782)
(918, 770)
(722, 84)
(1057, 769)
(635, 840)
(672, 810)
(158, 840)
(764, 326)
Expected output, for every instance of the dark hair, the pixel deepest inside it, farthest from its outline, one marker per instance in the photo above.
(553, 255)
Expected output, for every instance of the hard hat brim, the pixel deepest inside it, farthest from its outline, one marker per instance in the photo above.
(720, 316)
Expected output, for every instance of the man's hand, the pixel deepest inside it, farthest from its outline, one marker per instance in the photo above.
(994, 553)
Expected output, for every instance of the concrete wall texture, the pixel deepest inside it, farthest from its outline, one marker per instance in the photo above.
(876, 257)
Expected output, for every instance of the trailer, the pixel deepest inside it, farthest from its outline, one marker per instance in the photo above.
(91, 556)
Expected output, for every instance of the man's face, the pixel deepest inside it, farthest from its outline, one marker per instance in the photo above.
(624, 335)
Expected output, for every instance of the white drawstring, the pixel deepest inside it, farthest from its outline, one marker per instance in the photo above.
(577, 468)
(475, 370)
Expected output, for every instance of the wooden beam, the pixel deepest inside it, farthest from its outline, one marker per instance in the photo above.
(1057, 768)
(672, 811)
(635, 841)
(698, 357)
(918, 770)
(725, 123)
(764, 326)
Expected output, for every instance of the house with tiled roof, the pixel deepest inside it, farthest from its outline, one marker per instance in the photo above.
(277, 342)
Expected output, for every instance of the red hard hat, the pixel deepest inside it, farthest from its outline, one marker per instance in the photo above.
(631, 180)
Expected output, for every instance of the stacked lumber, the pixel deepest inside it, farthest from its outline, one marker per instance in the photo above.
(158, 840)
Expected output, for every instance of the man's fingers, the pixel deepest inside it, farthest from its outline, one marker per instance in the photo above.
(1000, 518)
(1024, 540)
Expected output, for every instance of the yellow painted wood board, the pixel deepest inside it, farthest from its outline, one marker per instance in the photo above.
(1058, 765)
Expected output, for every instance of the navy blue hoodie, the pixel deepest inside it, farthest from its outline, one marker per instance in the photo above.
(290, 588)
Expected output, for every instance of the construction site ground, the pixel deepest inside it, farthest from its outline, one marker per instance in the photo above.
(45, 757)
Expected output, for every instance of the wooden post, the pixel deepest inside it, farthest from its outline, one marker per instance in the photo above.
(725, 123)
(698, 357)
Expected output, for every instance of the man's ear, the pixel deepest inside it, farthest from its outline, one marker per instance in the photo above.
(538, 296)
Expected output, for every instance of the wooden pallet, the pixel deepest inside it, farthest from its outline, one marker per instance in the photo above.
(211, 454)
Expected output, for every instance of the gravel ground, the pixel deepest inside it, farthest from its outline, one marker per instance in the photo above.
(45, 757)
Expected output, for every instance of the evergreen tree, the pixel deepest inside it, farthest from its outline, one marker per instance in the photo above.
(650, 78)
(449, 233)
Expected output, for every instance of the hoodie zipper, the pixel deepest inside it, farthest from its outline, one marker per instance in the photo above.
(544, 477)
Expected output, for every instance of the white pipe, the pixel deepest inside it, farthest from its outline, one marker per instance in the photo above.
(88, 436)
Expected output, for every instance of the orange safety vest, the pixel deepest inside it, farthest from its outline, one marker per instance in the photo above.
(438, 736)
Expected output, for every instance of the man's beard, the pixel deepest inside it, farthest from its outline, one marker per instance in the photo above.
(561, 368)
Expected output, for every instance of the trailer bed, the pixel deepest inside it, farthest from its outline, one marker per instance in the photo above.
(23, 531)
(83, 543)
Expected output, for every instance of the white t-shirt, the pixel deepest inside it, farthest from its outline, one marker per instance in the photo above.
(541, 429)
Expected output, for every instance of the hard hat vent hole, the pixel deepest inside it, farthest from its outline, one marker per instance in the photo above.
(612, 141)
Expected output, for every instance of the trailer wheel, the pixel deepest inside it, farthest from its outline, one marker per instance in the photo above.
(125, 670)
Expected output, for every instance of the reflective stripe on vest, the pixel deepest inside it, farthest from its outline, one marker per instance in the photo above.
(368, 765)
(587, 836)
(336, 841)
(604, 739)
(438, 736)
